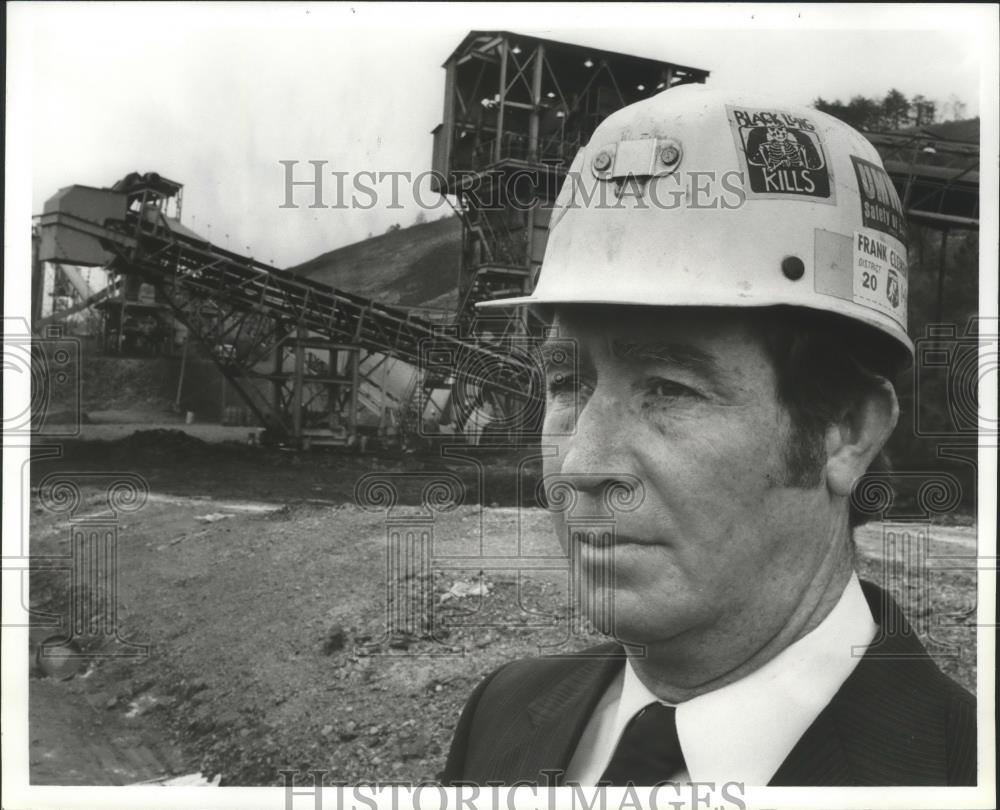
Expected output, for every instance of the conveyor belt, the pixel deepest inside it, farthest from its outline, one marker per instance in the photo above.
(186, 269)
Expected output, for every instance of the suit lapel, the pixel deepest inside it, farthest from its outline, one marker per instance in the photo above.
(848, 743)
(818, 758)
(557, 718)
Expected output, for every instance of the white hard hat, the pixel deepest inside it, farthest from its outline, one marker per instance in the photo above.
(697, 198)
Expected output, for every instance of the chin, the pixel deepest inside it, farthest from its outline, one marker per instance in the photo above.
(629, 619)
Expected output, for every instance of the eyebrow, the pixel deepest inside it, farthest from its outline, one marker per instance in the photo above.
(682, 355)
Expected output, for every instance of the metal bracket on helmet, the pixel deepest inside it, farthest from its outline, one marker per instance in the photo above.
(639, 158)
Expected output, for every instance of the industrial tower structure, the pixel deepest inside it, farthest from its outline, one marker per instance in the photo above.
(516, 110)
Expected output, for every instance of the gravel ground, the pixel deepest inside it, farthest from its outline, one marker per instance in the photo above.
(276, 641)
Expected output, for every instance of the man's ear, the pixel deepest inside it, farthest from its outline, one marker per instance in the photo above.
(863, 429)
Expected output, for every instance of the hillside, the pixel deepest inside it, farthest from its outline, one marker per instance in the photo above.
(411, 267)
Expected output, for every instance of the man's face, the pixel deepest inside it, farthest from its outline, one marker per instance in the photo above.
(685, 401)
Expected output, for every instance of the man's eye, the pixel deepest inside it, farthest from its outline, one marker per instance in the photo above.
(668, 389)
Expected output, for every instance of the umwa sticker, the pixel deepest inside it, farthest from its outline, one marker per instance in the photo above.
(880, 208)
(782, 155)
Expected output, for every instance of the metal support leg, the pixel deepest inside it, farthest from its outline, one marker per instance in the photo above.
(300, 365)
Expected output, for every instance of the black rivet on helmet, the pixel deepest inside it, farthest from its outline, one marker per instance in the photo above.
(793, 268)
(602, 161)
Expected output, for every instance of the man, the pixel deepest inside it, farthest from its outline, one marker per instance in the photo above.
(735, 336)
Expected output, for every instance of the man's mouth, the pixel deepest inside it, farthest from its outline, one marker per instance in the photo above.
(606, 539)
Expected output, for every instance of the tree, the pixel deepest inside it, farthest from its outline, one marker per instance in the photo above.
(924, 111)
(954, 108)
(864, 113)
(834, 108)
(895, 109)
(859, 112)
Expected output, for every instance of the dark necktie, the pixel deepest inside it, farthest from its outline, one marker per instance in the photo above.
(649, 751)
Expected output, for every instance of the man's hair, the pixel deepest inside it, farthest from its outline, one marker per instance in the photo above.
(823, 365)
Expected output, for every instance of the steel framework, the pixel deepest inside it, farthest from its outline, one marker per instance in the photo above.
(937, 179)
(516, 110)
(283, 341)
(938, 184)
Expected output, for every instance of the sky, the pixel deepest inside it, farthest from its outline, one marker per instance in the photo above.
(214, 96)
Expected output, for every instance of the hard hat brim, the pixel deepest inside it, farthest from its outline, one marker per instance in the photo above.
(900, 339)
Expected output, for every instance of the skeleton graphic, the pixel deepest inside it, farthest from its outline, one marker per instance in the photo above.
(781, 149)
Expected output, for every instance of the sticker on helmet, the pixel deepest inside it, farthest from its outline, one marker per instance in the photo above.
(880, 207)
(880, 279)
(782, 155)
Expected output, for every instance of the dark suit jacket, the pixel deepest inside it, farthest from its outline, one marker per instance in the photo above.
(896, 720)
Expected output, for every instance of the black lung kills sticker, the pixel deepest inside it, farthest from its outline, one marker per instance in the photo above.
(783, 154)
(880, 208)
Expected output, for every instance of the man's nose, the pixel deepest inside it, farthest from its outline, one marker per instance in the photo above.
(594, 449)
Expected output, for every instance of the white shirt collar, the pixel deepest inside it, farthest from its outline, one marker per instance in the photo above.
(743, 731)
